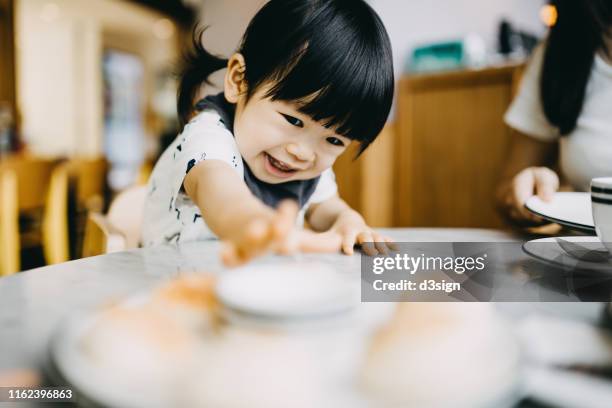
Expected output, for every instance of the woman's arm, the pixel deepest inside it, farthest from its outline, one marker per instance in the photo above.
(526, 173)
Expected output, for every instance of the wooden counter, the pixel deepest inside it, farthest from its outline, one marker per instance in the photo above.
(450, 144)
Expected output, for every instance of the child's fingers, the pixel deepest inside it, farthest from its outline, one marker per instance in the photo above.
(380, 243)
(289, 245)
(263, 235)
(348, 242)
(256, 232)
(229, 255)
(319, 242)
(366, 241)
(283, 239)
(284, 220)
(391, 244)
(256, 241)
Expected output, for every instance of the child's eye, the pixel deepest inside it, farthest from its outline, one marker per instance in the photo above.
(293, 121)
(335, 141)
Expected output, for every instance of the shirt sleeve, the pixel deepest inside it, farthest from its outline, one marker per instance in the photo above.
(204, 138)
(526, 113)
(326, 189)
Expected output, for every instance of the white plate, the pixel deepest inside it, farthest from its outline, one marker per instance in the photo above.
(549, 251)
(68, 364)
(337, 352)
(288, 291)
(305, 369)
(331, 356)
(572, 210)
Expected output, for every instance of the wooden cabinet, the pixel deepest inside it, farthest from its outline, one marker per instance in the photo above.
(366, 183)
(450, 145)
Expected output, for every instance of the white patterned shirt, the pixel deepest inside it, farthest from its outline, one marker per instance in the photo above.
(169, 214)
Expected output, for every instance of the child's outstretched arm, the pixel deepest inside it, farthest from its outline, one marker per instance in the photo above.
(248, 227)
(337, 218)
(234, 214)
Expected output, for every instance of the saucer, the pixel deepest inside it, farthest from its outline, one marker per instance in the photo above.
(287, 291)
(549, 251)
(572, 210)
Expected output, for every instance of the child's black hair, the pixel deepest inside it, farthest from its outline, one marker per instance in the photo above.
(331, 57)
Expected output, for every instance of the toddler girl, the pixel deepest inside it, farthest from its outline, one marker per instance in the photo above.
(309, 78)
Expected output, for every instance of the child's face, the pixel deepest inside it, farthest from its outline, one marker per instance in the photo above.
(280, 144)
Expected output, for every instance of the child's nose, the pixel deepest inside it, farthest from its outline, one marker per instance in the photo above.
(300, 152)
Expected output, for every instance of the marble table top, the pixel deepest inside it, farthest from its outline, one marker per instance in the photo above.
(33, 302)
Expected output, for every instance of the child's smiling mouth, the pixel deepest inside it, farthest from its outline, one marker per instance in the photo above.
(278, 168)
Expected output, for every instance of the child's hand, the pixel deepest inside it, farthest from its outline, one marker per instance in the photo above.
(352, 229)
(277, 234)
(274, 232)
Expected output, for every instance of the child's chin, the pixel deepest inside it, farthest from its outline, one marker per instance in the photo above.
(267, 178)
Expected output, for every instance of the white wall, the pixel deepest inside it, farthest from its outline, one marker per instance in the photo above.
(414, 22)
(227, 21)
(59, 46)
(409, 22)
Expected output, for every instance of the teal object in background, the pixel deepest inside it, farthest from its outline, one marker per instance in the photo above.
(437, 57)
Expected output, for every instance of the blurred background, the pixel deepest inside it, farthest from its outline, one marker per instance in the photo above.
(87, 103)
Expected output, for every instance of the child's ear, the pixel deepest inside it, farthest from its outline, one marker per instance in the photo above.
(235, 85)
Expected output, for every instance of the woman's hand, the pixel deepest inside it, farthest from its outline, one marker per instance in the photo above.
(540, 181)
(524, 175)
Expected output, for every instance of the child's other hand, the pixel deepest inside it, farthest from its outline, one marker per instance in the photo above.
(352, 229)
(277, 234)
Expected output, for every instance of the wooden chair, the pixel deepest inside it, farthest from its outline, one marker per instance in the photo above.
(9, 224)
(126, 214)
(144, 173)
(88, 181)
(120, 229)
(88, 191)
(28, 185)
(101, 237)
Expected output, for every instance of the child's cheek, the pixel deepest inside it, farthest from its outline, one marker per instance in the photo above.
(252, 139)
(326, 161)
(265, 135)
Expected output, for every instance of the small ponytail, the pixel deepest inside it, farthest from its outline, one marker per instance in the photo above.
(198, 65)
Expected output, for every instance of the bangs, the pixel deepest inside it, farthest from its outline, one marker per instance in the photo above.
(346, 94)
(338, 71)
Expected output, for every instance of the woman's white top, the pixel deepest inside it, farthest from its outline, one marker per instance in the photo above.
(586, 153)
(169, 214)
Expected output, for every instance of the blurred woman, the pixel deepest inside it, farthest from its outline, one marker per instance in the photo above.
(563, 111)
